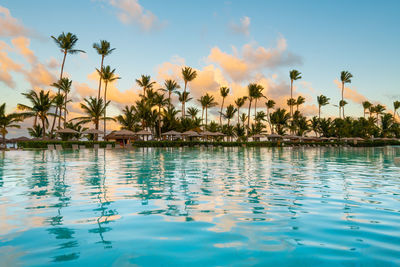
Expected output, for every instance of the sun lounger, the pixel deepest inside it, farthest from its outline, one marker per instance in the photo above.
(50, 147)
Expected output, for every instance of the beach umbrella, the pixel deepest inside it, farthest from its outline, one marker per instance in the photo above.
(19, 139)
(274, 136)
(171, 133)
(92, 131)
(292, 137)
(190, 133)
(66, 131)
(143, 132)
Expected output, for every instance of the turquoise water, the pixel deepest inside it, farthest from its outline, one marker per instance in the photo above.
(201, 206)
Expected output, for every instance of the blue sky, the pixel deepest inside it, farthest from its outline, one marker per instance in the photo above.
(327, 37)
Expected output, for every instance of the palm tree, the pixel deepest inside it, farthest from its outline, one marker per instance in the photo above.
(128, 119)
(192, 112)
(224, 91)
(7, 121)
(188, 75)
(229, 113)
(66, 43)
(170, 87)
(258, 94)
(239, 102)
(202, 101)
(396, 106)
(291, 102)
(379, 109)
(103, 48)
(280, 119)
(300, 100)
(253, 91)
(270, 104)
(183, 98)
(366, 106)
(294, 75)
(59, 101)
(345, 77)
(342, 103)
(322, 101)
(94, 110)
(64, 85)
(36, 131)
(108, 76)
(146, 83)
(41, 104)
(209, 103)
(160, 102)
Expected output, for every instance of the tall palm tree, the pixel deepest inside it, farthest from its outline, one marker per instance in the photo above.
(64, 85)
(59, 101)
(396, 106)
(183, 98)
(224, 91)
(253, 91)
(66, 43)
(300, 100)
(366, 106)
(188, 75)
(258, 94)
(128, 119)
(94, 111)
(270, 104)
(345, 77)
(209, 103)
(229, 113)
(379, 109)
(146, 83)
(108, 76)
(41, 105)
(294, 75)
(291, 102)
(322, 101)
(103, 48)
(239, 102)
(160, 101)
(7, 121)
(170, 87)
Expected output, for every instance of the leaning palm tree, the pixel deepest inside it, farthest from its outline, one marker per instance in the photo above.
(170, 87)
(300, 100)
(294, 75)
(239, 102)
(108, 76)
(66, 43)
(103, 48)
(146, 83)
(64, 85)
(7, 121)
(42, 103)
(188, 75)
(345, 77)
(366, 106)
(94, 111)
(224, 91)
(396, 106)
(270, 104)
(183, 98)
(322, 101)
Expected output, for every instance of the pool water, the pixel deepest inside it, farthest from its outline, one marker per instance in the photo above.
(201, 207)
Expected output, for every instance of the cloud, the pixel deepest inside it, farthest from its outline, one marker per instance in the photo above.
(351, 94)
(7, 66)
(241, 66)
(131, 12)
(243, 27)
(22, 45)
(10, 26)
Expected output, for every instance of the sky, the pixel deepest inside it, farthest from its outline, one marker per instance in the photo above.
(229, 43)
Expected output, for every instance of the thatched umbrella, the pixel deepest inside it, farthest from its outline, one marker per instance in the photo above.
(123, 135)
(274, 137)
(92, 131)
(171, 134)
(144, 133)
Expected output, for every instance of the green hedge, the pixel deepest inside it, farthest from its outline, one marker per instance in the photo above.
(64, 144)
(89, 144)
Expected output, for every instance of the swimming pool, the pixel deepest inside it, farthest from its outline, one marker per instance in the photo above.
(201, 206)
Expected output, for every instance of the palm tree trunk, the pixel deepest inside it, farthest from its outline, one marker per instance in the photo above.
(255, 109)
(319, 112)
(291, 97)
(61, 75)
(169, 98)
(96, 126)
(44, 128)
(35, 121)
(159, 122)
(101, 69)
(206, 117)
(238, 115)
(65, 108)
(343, 96)
(220, 113)
(105, 108)
(248, 114)
(183, 103)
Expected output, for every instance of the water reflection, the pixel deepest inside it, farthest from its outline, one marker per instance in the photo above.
(255, 199)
